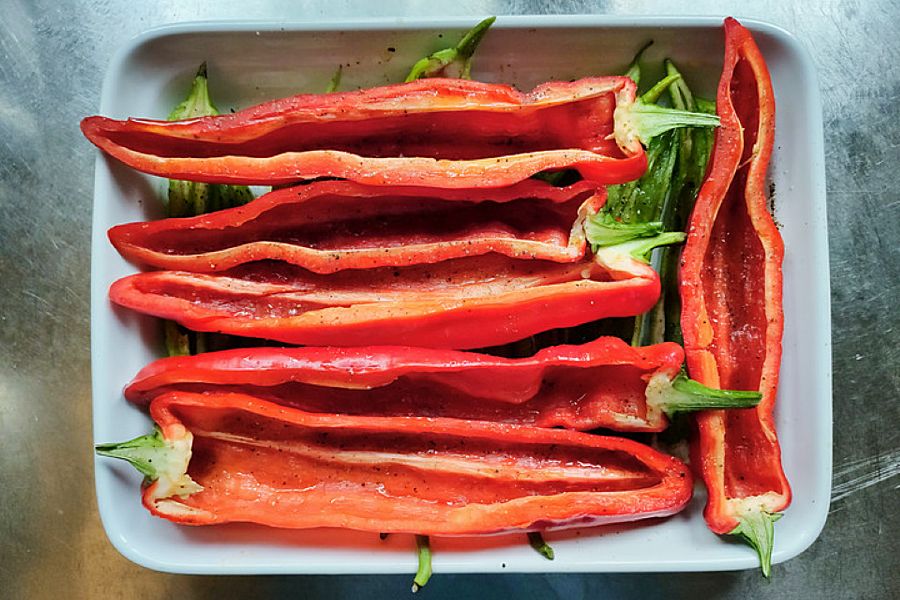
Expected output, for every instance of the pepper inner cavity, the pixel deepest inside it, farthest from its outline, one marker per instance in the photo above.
(433, 467)
(454, 135)
(352, 225)
(267, 289)
(578, 397)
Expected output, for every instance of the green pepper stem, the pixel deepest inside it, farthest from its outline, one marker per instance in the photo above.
(652, 119)
(423, 573)
(469, 43)
(652, 95)
(639, 249)
(145, 453)
(705, 106)
(177, 340)
(670, 298)
(198, 103)
(335, 80)
(679, 92)
(228, 196)
(460, 55)
(536, 540)
(646, 121)
(757, 528)
(432, 65)
(683, 394)
(188, 198)
(157, 459)
(191, 198)
(634, 69)
(603, 230)
(649, 328)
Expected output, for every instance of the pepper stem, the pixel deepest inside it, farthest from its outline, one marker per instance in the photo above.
(679, 92)
(652, 95)
(460, 55)
(683, 394)
(634, 69)
(335, 80)
(178, 342)
(145, 453)
(191, 198)
(198, 103)
(602, 230)
(758, 529)
(469, 43)
(639, 249)
(536, 540)
(157, 459)
(423, 573)
(652, 119)
(646, 120)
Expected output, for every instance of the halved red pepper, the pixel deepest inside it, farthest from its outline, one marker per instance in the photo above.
(219, 458)
(604, 383)
(463, 303)
(446, 133)
(329, 226)
(732, 312)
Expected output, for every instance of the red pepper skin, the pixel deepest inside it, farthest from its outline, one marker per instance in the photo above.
(329, 226)
(599, 384)
(731, 284)
(446, 133)
(264, 463)
(468, 303)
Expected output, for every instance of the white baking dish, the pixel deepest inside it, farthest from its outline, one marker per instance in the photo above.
(252, 62)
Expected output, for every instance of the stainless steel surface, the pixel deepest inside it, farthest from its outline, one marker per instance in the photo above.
(52, 60)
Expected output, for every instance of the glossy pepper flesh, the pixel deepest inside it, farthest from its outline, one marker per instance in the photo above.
(329, 226)
(221, 458)
(605, 383)
(732, 318)
(463, 303)
(446, 133)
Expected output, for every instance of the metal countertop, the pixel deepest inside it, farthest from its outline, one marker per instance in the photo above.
(52, 59)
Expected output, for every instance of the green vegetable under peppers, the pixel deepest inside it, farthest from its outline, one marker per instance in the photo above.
(335, 80)
(660, 201)
(423, 572)
(693, 149)
(649, 214)
(453, 62)
(536, 540)
(190, 198)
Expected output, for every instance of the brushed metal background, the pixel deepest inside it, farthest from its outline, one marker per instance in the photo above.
(52, 58)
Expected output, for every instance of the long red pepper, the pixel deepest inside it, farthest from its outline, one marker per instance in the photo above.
(446, 133)
(229, 457)
(329, 226)
(465, 303)
(604, 383)
(732, 313)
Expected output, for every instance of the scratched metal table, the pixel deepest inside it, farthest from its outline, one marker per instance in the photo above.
(52, 59)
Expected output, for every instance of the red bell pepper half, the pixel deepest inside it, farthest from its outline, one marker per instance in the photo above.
(732, 312)
(329, 226)
(463, 303)
(219, 458)
(605, 383)
(446, 133)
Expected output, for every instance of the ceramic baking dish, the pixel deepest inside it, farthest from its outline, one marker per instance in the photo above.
(252, 62)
